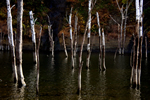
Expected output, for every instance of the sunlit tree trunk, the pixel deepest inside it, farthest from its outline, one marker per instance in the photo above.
(19, 43)
(88, 35)
(11, 40)
(32, 22)
(71, 39)
(100, 44)
(140, 41)
(64, 45)
(138, 55)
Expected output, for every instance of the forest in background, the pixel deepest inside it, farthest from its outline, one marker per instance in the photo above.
(105, 8)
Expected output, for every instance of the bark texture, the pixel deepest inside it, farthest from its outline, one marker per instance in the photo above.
(32, 23)
(11, 40)
(19, 43)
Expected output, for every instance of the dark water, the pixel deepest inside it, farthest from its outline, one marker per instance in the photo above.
(59, 82)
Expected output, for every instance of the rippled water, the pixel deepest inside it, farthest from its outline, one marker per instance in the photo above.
(58, 81)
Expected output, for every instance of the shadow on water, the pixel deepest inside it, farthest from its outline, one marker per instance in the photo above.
(59, 81)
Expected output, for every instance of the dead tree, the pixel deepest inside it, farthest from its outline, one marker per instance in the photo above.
(64, 45)
(80, 60)
(32, 22)
(89, 34)
(11, 40)
(71, 39)
(19, 43)
(122, 24)
(75, 35)
(135, 77)
(103, 48)
(125, 22)
(80, 55)
(100, 43)
(50, 37)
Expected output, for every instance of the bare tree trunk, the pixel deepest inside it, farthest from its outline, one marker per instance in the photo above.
(11, 40)
(51, 40)
(32, 22)
(71, 40)
(75, 35)
(21, 81)
(125, 23)
(52, 45)
(103, 48)
(50, 37)
(124, 39)
(122, 20)
(100, 44)
(64, 45)
(88, 35)
(81, 49)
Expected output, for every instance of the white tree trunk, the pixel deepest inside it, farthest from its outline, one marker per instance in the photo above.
(75, 35)
(71, 39)
(64, 45)
(139, 31)
(88, 35)
(100, 45)
(11, 40)
(19, 43)
(32, 22)
(103, 48)
(51, 40)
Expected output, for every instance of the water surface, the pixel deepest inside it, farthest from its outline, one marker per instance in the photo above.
(58, 81)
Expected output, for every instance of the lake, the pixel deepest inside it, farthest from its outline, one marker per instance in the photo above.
(58, 81)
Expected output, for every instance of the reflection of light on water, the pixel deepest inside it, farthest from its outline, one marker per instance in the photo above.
(102, 84)
(65, 61)
(88, 87)
(75, 61)
(79, 97)
(135, 94)
(32, 79)
(18, 92)
(72, 72)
